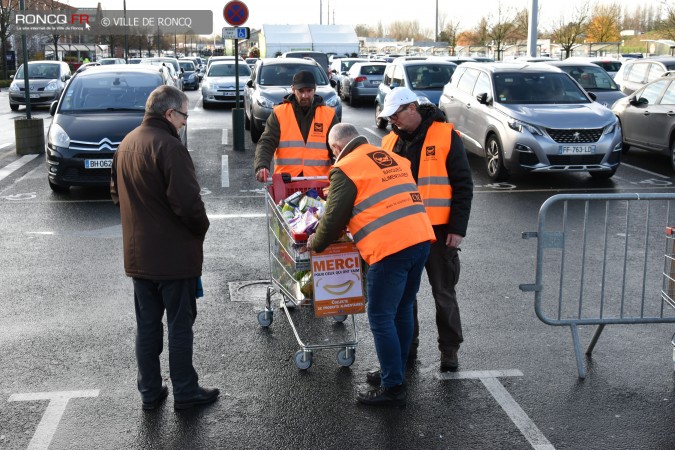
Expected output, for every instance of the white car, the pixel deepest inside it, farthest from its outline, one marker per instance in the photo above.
(219, 83)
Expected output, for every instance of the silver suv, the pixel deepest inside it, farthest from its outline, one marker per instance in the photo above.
(635, 73)
(530, 118)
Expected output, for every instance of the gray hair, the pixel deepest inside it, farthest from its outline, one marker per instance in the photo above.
(163, 99)
(342, 133)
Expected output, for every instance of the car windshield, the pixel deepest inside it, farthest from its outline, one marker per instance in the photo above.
(429, 76)
(37, 71)
(609, 66)
(187, 66)
(109, 91)
(373, 70)
(227, 70)
(591, 77)
(282, 74)
(537, 88)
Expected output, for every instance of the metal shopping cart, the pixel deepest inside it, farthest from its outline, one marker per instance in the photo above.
(290, 271)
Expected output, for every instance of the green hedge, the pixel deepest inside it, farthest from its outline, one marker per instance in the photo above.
(5, 83)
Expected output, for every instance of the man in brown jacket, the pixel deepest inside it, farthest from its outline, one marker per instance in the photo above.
(163, 228)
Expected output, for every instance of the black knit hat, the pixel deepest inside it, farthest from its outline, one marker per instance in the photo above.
(304, 79)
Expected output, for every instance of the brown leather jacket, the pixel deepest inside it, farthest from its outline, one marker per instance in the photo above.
(163, 217)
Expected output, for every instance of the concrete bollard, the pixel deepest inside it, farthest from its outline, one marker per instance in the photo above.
(30, 136)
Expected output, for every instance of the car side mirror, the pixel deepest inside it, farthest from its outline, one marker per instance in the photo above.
(592, 96)
(333, 83)
(482, 98)
(11, 77)
(52, 107)
(249, 83)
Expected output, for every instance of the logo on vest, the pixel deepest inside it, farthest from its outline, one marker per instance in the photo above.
(318, 128)
(416, 197)
(431, 150)
(382, 159)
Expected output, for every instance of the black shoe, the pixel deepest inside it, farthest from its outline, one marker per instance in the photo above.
(449, 360)
(204, 396)
(383, 396)
(374, 377)
(412, 352)
(154, 404)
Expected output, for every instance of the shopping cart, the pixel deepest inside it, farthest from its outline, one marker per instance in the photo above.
(290, 270)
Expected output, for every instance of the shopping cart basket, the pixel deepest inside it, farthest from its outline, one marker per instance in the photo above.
(290, 270)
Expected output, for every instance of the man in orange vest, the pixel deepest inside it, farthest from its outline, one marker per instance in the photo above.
(374, 195)
(296, 133)
(441, 169)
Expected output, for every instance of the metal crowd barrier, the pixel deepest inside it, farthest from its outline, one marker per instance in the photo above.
(601, 260)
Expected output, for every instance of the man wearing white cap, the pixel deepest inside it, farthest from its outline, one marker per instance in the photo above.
(441, 169)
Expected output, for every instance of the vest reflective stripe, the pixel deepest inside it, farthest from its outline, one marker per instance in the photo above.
(432, 177)
(388, 214)
(387, 219)
(295, 156)
(367, 203)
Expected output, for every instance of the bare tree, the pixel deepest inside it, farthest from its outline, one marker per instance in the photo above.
(667, 25)
(502, 30)
(568, 34)
(6, 9)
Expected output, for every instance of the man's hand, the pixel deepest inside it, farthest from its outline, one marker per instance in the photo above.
(310, 240)
(262, 175)
(453, 240)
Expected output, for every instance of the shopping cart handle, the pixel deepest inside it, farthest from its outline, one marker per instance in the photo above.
(287, 178)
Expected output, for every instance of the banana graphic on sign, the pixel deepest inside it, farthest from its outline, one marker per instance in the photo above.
(339, 289)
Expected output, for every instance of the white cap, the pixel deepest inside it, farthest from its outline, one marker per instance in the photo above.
(394, 99)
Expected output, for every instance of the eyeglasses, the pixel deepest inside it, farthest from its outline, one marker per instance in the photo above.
(181, 113)
(398, 111)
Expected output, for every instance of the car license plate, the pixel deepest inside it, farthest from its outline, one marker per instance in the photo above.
(576, 149)
(228, 94)
(98, 163)
(34, 95)
(375, 83)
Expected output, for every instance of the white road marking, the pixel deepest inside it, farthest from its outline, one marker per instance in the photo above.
(11, 167)
(226, 136)
(44, 433)
(489, 378)
(645, 170)
(4, 145)
(224, 172)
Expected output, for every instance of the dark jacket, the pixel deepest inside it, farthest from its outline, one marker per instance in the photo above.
(269, 141)
(409, 145)
(163, 217)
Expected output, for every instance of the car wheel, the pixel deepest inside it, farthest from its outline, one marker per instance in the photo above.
(381, 123)
(255, 132)
(603, 175)
(247, 122)
(13, 107)
(494, 160)
(625, 148)
(205, 104)
(58, 188)
(342, 95)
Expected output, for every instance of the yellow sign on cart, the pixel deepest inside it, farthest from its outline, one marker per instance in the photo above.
(338, 281)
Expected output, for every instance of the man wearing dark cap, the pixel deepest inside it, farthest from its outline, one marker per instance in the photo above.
(296, 133)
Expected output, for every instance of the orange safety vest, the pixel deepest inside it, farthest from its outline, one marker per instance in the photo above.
(432, 178)
(388, 214)
(294, 155)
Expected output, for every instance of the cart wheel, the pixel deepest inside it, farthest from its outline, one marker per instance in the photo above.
(346, 357)
(303, 359)
(340, 318)
(265, 318)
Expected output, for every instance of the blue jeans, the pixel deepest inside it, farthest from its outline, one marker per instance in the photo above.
(393, 283)
(152, 298)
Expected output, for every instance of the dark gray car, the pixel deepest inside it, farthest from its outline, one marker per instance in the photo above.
(592, 78)
(271, 81)
(46, 80)
(362, 81)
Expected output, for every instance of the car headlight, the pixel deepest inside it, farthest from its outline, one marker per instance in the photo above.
(57, 137)
(609, 129)
(332, 101)
(14, 87)
(519, 126)
(265, 102)
(52, 86)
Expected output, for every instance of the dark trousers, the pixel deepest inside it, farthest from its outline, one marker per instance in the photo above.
(152, 298)
(443, 272)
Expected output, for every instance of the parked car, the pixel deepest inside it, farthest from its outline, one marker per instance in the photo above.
(611, 65)
(100, 106)
(424, 78)
(86, 66)
(319, 57)
(135, 60)
(219, 85)
(251, 62)
(178, 76)
(647, 118)
(338, 70)
(46, 80)
(221, 58)
(531, 118)
(107, 61)
(453, 59)
(362, 81)
(593, 79)
(190, 74)
(271, 81)
(635, 73)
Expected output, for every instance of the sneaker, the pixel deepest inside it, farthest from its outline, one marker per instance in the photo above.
(449, 360)
(383, 396)
(154, 404)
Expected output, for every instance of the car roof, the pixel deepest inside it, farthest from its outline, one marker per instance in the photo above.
(275, 61)
(569, 62)
(423, 62)
(505, 67)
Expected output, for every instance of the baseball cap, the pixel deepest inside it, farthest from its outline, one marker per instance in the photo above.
(304, 79)
(394, 99)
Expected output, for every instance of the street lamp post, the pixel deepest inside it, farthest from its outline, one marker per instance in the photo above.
(436, 35)
(126, 34)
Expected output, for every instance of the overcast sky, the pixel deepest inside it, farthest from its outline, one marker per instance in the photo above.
(368, 12)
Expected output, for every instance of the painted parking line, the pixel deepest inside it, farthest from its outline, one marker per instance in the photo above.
(44, 433)
(4, 146)
(225, 139)
(490, 379)
(645, 171)
(224, 172)
(16, 165)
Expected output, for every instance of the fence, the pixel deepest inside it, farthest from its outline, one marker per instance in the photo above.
(601, 261)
